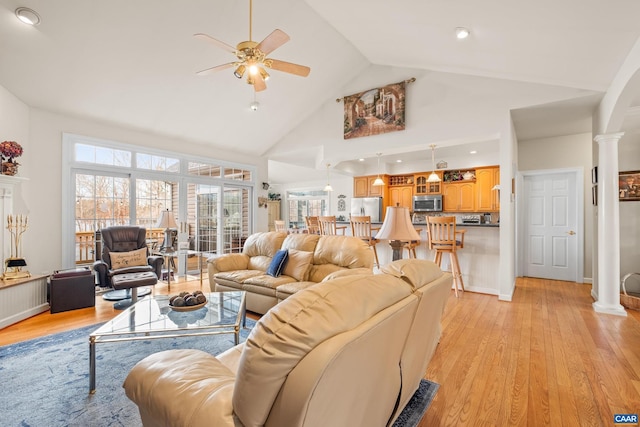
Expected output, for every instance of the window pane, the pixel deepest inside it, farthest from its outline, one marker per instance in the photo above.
(152, 197)
(157, 163)
(101, 201)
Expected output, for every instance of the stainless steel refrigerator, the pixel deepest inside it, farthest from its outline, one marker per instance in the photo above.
(371, 206)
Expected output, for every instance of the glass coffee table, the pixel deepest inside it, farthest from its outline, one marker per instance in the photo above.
(153, 318)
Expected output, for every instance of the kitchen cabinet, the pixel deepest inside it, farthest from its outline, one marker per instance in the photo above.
(458, 196)
(273, 210)
(487, 199)
(363, 186)
(425, 187)
(402, 196)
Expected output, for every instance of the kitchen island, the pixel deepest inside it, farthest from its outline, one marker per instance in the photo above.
(479, 259)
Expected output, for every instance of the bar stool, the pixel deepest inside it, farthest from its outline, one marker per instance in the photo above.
(412, 245)
(362, 229)
(442, 238)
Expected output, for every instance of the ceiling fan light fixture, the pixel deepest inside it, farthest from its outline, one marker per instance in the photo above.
(239, 72)
(253, 69)
(264, 74)
(254, 106)
(28, 16)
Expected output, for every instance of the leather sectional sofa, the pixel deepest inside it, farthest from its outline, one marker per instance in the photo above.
(348, 351)
(311, 259)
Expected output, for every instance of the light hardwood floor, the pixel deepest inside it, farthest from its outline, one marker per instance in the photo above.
(546, 358)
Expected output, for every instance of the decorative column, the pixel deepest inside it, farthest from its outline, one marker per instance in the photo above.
(608, 226)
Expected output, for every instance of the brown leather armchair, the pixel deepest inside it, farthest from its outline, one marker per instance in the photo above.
(123, 239)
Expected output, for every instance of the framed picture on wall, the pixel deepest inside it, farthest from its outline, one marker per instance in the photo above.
(629, 186)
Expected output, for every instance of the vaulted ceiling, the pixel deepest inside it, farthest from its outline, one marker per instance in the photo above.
(134, 63)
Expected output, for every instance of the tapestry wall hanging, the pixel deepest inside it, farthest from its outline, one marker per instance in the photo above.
(375, 111)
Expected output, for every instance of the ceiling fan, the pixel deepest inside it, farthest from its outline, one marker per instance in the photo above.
(252, 57)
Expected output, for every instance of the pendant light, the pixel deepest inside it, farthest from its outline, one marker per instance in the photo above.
(378, 181)
(328, 186)
(434, 176)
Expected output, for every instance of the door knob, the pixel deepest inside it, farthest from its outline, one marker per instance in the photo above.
(571, 233)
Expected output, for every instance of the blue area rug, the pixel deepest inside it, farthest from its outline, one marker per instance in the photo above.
(45, 382)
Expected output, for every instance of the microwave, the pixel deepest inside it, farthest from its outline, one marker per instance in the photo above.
(427, 203)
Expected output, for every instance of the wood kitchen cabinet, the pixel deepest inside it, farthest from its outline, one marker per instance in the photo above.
(458, 196)
(487, 199)
(402, 196)
(363, 186)
(425, 187)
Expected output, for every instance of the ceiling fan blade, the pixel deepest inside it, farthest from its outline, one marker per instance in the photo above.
(258, 84)
(216, 42)
(216, 68)
(288, 67)
(273, 41)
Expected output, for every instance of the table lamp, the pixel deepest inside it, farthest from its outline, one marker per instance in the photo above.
(167, 222)
(398, 229)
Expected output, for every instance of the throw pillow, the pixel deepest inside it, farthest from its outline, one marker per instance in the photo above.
(128, 259)
(298, 264)
(277, 263)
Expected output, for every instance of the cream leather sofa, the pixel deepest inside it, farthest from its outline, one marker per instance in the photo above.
(349, 351)
(311, 259)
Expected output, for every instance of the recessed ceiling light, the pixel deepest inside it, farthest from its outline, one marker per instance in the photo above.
(462, 33)
(398, 161)
(361, 160)
(28, 16)
(473, 152)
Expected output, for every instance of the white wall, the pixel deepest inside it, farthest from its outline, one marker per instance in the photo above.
(629, 160)
(571, 151)
(14, 120)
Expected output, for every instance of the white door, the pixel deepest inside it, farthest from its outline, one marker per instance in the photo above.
(551, 226)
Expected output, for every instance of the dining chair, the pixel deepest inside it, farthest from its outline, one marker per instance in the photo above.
(280, 226)
(312, 224)
(443, 239)
(362, 229)
(329, 226)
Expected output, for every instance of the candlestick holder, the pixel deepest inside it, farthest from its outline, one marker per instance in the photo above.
(14, 265)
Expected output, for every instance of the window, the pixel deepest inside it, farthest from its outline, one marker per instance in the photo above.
(107, 187)
(306, 203)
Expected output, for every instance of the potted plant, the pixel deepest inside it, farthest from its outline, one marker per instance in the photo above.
(9, 150)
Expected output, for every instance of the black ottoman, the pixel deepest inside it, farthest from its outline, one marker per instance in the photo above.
(131, 282)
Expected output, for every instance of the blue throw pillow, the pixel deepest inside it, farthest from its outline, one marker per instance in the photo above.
(277, 263)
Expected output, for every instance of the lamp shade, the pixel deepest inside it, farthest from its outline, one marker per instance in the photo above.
(16, 262)
(397, 225)
(166, 220)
